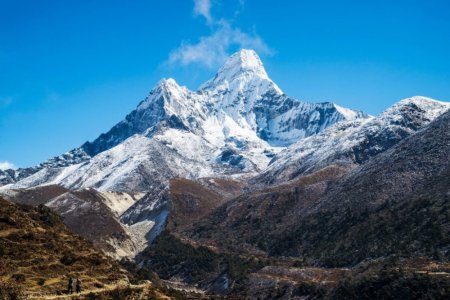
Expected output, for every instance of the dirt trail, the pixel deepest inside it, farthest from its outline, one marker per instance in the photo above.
(7, 232)
(180, 286)
(106, 288)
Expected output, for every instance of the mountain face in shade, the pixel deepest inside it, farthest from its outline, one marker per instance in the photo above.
(234, 124)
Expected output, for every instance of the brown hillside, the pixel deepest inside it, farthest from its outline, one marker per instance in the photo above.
(84, 212)
(192, 200)
(92, 219)
(38, 252)
(36, 195)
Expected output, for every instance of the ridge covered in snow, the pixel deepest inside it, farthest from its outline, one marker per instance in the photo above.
(235, 123)
(354, 142)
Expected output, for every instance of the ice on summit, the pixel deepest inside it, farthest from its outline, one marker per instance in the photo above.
(241, 64)
(233, 124)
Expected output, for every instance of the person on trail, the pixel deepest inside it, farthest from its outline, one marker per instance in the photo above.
(78, 286)
(70, 286)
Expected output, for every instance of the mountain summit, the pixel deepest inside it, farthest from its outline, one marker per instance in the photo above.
(245, 63)
(235, 123)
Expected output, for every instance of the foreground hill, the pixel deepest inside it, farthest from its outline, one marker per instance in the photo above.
(92, 214)
(38, 252)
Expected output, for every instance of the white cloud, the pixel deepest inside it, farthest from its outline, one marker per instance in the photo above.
(203, 8)
(5, 165)
(213, 50)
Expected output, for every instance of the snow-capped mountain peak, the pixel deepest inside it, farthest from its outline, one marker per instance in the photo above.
(429, 107)
(166, 88)
(234, 124)
(242, 62)
(348, 114)
(242, 70)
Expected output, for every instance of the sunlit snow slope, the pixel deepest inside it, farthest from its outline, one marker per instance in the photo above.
(234, 124)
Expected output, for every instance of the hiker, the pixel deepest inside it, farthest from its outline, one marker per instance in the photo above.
(70, 286)
(78, 286)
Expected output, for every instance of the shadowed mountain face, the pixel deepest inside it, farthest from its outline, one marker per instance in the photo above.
(397, 203)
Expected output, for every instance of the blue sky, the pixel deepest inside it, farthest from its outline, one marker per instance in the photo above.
(70, 70)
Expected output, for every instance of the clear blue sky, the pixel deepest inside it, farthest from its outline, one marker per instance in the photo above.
(69, 70)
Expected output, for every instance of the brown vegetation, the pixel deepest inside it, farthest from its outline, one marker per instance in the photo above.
(191, 200)
(38, 253)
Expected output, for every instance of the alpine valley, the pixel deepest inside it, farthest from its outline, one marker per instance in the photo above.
(238, 190)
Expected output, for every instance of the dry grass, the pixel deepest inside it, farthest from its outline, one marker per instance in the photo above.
(39, 252)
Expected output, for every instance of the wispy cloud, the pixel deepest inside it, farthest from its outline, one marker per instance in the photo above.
(5, 165)
(203, 8)
(212, 50)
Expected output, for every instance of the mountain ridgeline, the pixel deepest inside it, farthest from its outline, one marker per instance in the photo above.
(238, 186)
(240, 116)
